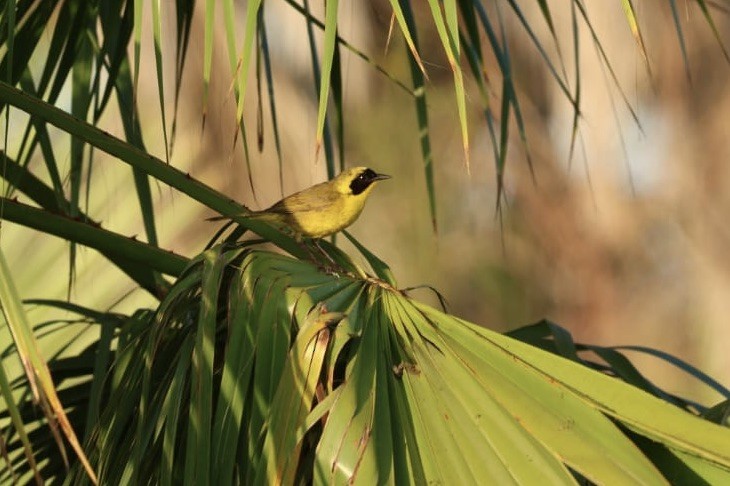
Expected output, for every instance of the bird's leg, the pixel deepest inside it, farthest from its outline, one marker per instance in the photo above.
(305, 244)
(323, 252)
(335, 269)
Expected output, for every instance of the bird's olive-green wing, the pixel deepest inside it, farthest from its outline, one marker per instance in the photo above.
(316, 198)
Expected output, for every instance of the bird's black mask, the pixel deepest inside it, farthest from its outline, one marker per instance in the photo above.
(363, 181)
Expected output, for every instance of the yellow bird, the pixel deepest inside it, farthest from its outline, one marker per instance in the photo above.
(323, 209)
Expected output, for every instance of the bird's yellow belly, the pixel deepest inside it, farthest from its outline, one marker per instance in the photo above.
(319, 223)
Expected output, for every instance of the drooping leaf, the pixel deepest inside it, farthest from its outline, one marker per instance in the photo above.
(36, 368)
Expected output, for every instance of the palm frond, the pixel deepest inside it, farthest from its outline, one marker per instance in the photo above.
(261, 368)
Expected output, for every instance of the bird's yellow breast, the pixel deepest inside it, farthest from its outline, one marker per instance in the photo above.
(328, 215)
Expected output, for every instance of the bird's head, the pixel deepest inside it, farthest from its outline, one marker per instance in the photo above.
(357, 181)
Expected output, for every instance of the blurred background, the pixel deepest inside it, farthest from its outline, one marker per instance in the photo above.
(627, 242)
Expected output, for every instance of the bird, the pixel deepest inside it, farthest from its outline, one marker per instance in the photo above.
(323, 209)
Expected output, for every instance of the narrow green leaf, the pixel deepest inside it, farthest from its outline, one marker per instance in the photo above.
(25, 39)
(339, 115)
(303, 10)
(503, 135)
(259, 92)
(43, 139)
(545, 9)
(35, 366)
(719, 414)
(171, 412)
(240, 73)
(538, 45)
(229, 16)
(9, 19)
(264, 46)
(272, 343)
(448, 31)
(631, 19)
(680, 364)
(17, 423)
(477, 69)
(381, 269)
(708, 17)
(695, 470)
(328, 52)
(138, 9)
(510, 100)
(578, 91)
(208, 48)
(117, 29)
(407, 27)
(511, 93)
(62, 34)
(418, 77)
(197, 455)
(246, 52)
(680, 38)
(184, 17)
(157, 34)
(294, 397)
(235, 378)
(101, 365)
(584, 13)
(133, 133)
(329, 153)
(80, 103)
(346, 432)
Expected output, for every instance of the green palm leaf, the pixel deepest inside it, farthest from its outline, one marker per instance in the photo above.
(271, 371)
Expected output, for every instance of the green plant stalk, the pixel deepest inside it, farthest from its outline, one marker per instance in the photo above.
(26, 182)
(105, 241)
(143, 161)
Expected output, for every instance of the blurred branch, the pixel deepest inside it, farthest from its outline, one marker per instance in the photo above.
(25, 181)
(107, 242)
(141, 160)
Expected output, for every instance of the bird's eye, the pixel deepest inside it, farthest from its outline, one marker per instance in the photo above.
(362, 181)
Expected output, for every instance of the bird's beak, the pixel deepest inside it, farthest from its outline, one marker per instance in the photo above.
(381, 177)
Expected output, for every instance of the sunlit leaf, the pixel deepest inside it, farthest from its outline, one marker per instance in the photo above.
(448, 31)
(35, 366)
(157, 33)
